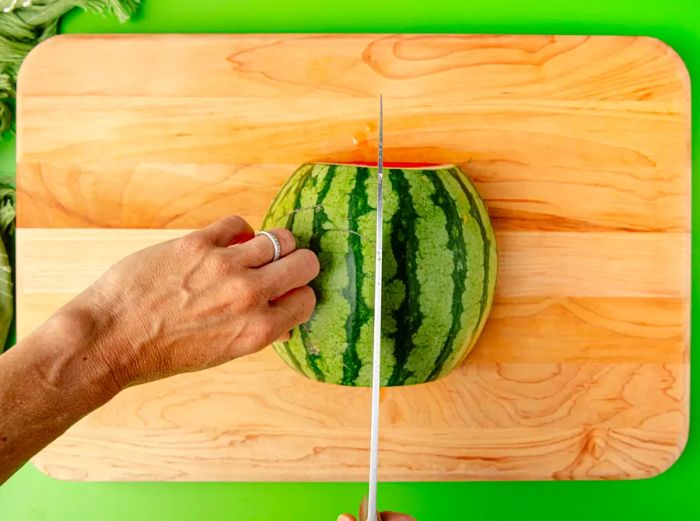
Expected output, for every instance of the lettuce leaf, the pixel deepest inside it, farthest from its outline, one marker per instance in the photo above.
(7, 251)
(25, 24)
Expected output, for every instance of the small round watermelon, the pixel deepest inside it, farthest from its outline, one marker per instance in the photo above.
(439, 270)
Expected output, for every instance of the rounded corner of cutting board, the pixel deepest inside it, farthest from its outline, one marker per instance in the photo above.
(51, 470)
(675, 56)
(665, 463)
(42, 52)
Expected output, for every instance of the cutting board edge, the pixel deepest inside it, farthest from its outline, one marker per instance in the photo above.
(666, 460)
(682, 435)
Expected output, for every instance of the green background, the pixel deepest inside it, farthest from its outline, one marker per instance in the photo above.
(31, 496)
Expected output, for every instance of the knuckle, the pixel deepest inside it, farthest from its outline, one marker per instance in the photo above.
(193, 243)
(310, 261)
(248, 293)
(265, 333)
(303, 307)
(260, 257)
(252, 254)
(221, 264)
(287, 241)
(295, 315)
(235, 221)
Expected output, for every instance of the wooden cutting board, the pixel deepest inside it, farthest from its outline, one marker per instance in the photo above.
(579, 145)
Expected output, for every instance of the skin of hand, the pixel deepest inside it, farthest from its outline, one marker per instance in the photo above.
(183, 305)
(199, 301)
(386, 516)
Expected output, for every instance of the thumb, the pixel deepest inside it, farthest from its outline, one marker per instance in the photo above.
(346, 517)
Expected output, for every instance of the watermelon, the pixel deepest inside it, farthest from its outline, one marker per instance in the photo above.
(439, 270)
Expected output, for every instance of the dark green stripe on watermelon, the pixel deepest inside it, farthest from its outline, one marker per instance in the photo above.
(486, 242)
(439, 271)
(358, 206)
(313, 356)
(441, 198)
(303, 181)
(291, 183)
(404, 246)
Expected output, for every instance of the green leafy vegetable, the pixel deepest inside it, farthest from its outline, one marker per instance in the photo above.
(7, 301)
(26, 23)
(23, 25)
(7, 234)
(7, 208)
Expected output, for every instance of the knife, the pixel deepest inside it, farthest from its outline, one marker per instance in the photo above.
(371, 504)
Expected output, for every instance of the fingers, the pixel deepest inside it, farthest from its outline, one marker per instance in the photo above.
(225, 232)
(281, 316)
(386, 516)
(284, 337)
(395, 516)
(293, 271)
(293, 308)
(260, 250)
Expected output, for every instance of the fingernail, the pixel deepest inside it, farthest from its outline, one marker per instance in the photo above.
(343, 517)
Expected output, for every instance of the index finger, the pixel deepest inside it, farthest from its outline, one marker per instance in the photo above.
(226, 232)
(395, 516)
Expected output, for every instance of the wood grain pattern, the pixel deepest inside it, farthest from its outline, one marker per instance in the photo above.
(579, 145)
(592, 322)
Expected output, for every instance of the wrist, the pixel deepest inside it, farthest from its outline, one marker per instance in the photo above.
(73, 344)
(49, 381)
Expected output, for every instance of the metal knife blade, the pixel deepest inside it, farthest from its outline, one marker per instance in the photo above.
(376, 350)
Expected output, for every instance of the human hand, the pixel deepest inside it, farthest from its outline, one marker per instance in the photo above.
(196, 302)
(386, 516)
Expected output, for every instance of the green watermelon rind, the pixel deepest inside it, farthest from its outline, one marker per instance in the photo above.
(440, 268)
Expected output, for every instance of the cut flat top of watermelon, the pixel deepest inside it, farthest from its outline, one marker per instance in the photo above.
(390, 164)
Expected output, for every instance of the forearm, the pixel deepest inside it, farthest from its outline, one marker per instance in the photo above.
(48, 381)
(183, 305)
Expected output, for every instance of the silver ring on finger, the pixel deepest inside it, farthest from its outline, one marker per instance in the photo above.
(275, 243)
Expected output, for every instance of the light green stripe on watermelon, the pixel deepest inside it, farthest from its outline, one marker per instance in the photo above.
(439, 271)
(358, 207)
(488, 229)
(301, 225)
(393, 289)
(283, 205)
(322, 186)
(490, 253)
(342, 302)
(434, 265)
(446, 202)
(471, 297)
(470, 294)
(333, 307)
(476, 297)
(404, 244)
(366, 225)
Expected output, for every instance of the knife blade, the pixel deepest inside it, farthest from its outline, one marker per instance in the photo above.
(371, 514)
